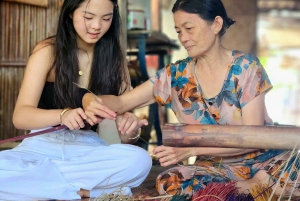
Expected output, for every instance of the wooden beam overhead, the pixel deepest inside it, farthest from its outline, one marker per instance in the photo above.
(265, 5)
(41, 3)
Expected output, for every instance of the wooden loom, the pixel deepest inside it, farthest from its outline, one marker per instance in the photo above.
(228, 136)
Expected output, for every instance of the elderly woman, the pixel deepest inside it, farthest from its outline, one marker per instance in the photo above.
(214, 85)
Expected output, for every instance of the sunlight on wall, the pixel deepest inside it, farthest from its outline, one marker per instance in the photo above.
(282, 101)
(279, 50)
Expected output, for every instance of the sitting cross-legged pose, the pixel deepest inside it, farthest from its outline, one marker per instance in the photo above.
(74, 163)
(214, 85)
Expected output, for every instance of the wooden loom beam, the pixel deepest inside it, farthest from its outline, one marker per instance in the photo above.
(227, 136)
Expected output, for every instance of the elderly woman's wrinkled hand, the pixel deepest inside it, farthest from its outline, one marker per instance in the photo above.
(129, 123)
(171, 155)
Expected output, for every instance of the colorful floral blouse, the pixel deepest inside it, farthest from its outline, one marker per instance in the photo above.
(176, 85)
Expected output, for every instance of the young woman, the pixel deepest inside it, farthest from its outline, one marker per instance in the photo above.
(73, 163)
(214, 85)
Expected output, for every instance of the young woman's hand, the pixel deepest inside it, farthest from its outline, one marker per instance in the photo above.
(172, 155)
(95, 110)
(129, 123)
(74, 118)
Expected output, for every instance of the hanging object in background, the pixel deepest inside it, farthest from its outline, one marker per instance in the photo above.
(41, 3)
(138, 14)
(136, 17)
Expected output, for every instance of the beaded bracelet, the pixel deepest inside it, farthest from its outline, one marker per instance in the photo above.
(135, 137)
(63, 112)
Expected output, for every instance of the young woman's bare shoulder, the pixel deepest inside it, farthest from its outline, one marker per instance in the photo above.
(41, 58)
(43, 53)
(44, 46)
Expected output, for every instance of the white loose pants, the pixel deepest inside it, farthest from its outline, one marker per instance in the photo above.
(57, 165)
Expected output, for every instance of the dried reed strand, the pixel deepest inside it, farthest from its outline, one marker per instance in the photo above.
(281, 175)
(84, 88)
(263, 192)
(298, 176)
(118, 195)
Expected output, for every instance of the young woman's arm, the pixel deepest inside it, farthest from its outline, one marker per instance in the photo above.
(128, 124)
(26, 114)
(138, 97)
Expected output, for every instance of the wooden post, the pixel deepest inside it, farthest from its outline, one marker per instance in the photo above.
(41, 3)
(156, 15)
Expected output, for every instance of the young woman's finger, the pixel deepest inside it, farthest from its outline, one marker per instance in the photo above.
(81, 113)
(105, 112)
(101, 112)
(92, 119)
(89, 121)
(69, 125)
(79, 121)
(95, 106)
(75, 124)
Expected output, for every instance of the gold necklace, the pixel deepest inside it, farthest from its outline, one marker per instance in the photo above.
(80, 72)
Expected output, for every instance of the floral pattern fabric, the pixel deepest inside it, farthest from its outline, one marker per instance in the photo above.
(177, 86)
(188, 179)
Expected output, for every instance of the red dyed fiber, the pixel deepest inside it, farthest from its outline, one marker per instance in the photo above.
(215, 192)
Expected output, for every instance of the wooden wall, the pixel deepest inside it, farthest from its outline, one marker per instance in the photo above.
(22, 27)
(242, 34)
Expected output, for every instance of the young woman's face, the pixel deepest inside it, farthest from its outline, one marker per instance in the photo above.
(92, 19)
(194, 33)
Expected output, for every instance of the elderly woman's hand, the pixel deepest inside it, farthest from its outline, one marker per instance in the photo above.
(172, 155)
(128, 124)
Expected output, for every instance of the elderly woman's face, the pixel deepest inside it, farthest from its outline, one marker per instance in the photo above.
(195, 34)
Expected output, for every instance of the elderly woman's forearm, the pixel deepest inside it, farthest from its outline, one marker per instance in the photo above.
(221, 152)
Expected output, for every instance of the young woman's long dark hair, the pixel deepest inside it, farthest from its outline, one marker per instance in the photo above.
(206, 9)
(108, 65)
